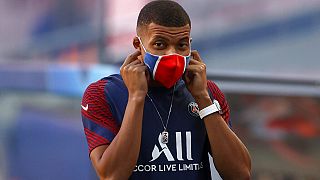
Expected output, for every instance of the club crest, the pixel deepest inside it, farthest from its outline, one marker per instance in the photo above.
(193, 109)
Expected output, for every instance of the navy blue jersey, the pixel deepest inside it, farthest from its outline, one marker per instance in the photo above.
(185, 156)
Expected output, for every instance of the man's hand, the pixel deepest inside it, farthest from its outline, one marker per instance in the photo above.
(195, 77)
(114, 161)
(224, 143)
(135, 75)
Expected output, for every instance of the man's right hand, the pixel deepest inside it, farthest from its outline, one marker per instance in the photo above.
(114, 161)
(135, 75)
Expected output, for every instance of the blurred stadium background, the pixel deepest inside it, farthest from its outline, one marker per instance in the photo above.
(264, 54)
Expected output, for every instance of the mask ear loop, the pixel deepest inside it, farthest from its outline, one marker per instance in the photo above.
(189, 56)
(190, 41)
(145, 50)
(142, 44)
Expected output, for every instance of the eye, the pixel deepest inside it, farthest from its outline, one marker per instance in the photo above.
(184, 45)
(159, 45)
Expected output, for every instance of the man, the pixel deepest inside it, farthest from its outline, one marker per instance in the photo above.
(146, 123)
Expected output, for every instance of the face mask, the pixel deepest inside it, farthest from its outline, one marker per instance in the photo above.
(166, 69)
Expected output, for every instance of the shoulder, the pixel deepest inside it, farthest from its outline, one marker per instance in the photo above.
(97, 94)
(98, 120)
(98, 88)
(217, 94)
(95, 89)
(215, 90)
(94, 102)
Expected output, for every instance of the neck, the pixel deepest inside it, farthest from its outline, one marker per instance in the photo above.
(153, 83)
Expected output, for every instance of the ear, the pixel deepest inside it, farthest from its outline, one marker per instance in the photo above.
(136, 43)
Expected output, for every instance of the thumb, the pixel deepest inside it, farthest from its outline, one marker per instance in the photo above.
(186, 78)
(147, 74)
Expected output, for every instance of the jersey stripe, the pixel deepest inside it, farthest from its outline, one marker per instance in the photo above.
(94, 140)
(101, 131)
(98, 107)
(99, 124)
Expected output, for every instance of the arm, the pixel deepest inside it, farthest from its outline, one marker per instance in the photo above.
(231, 157)
(114, 161)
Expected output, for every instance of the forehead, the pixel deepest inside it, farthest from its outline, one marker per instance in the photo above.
(154, 30)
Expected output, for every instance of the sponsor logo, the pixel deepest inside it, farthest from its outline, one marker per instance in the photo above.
(168, 167)
(166, 152)
(176, 162)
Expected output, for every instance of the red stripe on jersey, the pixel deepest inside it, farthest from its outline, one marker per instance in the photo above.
(98, 108)
(94, 140)
(219, 96)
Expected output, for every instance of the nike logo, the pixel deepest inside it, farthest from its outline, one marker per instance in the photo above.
(85, 107)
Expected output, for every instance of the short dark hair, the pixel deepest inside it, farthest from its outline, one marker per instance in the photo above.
(163, 12)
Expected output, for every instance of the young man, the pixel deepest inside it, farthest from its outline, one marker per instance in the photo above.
(160, 118)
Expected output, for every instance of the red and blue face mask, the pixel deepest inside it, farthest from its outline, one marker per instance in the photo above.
(166, 69)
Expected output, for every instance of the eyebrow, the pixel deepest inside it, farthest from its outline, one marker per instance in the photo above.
(159, 37)
(186, 38)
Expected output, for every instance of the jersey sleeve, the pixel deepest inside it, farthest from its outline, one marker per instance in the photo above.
(99, 125)
(218, 95)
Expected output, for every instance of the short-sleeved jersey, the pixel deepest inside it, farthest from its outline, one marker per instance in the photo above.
(185, 156)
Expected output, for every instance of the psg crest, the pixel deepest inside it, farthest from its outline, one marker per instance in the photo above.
(193, 109)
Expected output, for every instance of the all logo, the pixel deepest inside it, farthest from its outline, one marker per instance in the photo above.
(193, 109)
(164, 150)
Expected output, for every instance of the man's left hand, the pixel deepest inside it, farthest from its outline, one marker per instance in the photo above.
(195, 76)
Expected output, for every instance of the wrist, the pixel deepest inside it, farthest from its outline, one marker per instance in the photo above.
(200, 95)
(203, 101)
(137, 96)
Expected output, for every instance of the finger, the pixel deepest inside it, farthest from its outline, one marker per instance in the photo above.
(196, 55)
(126, 67)
(135, 62)
(147, 73)
(193, 61)
(193, 71)
(196, 68)
(186, 77)
(136, 65)
(142, 68)
(140, 58)
(131, 57)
